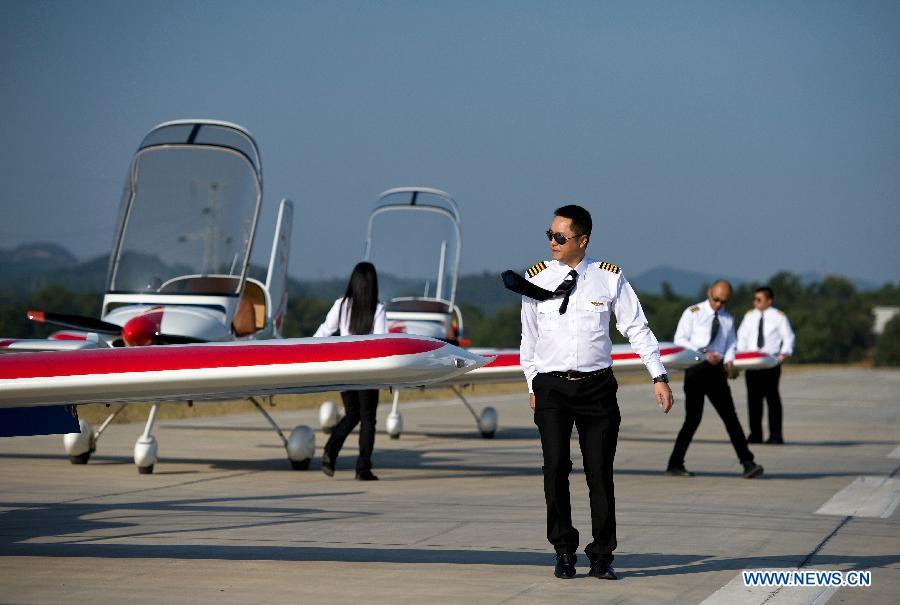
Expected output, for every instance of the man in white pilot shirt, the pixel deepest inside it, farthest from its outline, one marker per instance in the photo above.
(709, 329)
(566, 356)
(766, 329)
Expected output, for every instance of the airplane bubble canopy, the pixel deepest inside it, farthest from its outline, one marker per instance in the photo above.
(414, 242)
(189, 211)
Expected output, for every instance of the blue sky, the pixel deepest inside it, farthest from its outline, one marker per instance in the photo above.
(726, 137)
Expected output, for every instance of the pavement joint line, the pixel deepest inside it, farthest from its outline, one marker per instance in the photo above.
(158, 487)
(445, 531)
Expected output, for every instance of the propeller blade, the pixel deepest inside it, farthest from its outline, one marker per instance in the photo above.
(175, 339)
(75, 322)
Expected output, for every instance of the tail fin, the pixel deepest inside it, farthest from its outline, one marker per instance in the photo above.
(276, 280)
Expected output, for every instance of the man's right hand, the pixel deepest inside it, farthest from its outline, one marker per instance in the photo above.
(532, 401)
(713, 358)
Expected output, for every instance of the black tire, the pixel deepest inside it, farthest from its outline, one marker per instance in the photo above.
(489, 434)
(397, 436)
(302, 465)
(80, 458)
(146, 470)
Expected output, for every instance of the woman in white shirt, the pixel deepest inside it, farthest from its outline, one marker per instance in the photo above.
(357, 312)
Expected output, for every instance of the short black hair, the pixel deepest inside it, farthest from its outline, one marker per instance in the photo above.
(581, 218)
(765, 290)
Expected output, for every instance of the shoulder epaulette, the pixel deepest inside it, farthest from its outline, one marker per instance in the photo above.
(535, 269)
(749, 311)
(780, 312)
(609, 267)
(694, 309)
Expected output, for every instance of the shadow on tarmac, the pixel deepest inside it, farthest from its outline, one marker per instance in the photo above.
(42, 521)
(638, 565)
(441, 461)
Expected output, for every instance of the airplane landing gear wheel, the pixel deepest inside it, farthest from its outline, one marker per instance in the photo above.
(487, 423)
(394, 424)
(301, 447)
(329, 415)
(80, 458)
(300, 465)
(146, 470)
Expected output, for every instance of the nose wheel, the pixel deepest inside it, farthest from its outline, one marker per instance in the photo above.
(486, 422)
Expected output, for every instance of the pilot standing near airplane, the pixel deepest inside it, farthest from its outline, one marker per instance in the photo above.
(708, 328)
(357, 312)
(565, 353)
(766, 329)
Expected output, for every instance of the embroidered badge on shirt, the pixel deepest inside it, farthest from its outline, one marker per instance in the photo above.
(597, 303)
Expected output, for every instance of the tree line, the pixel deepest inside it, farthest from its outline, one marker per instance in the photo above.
(831, 319)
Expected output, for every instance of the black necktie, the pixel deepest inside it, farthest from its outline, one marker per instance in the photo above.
(566, 288)
(715, 330)
(760, 339)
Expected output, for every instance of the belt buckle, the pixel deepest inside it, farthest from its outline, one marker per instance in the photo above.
(573, 375)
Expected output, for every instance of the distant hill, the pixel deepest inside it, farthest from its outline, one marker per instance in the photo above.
(30, 267)
(682, 283)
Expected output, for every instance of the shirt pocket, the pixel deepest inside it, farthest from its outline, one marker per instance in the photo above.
(594, 314)
(548, 314)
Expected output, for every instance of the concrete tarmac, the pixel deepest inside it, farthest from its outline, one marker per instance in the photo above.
(456, 518)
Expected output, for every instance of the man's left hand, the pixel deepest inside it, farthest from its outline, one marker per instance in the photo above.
(664, 397)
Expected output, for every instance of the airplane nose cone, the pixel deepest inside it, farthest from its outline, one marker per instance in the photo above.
(142, 330)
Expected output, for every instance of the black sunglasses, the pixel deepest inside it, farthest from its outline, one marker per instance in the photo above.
(559, 238)
(716, 299)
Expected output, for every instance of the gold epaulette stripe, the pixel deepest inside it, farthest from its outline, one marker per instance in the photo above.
(694, 309)
(537, 268)
(609, 267)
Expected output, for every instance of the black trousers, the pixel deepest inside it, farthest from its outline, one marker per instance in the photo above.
(359, 406)
(763, 384)
(707, 380)
(590, 404)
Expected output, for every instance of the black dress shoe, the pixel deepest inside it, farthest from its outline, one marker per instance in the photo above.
(678, 471)
(327, 465)
(751, 470)
(754, 439)
(602, 571)
(366, 476)
(565, 566)
(775, 441)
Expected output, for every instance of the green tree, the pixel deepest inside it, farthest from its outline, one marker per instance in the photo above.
(887, 349)
(304, 316)
(14, 323)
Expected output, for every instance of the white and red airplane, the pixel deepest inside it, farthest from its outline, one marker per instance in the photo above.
(415, 233)
(178, 276)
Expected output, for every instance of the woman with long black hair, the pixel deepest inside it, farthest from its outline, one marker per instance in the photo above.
(357, 312)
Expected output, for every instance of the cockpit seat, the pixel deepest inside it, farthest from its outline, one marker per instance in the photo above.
(251, 312)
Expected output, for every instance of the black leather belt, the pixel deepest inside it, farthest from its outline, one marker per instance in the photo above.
(576, 375)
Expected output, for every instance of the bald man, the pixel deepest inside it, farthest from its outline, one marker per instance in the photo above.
(709, 329)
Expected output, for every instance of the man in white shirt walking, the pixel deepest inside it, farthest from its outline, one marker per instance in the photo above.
(766, 329)
(709, 329)
(565, 353)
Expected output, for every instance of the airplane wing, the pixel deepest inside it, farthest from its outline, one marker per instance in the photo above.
(506, 368)
(228, 370)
